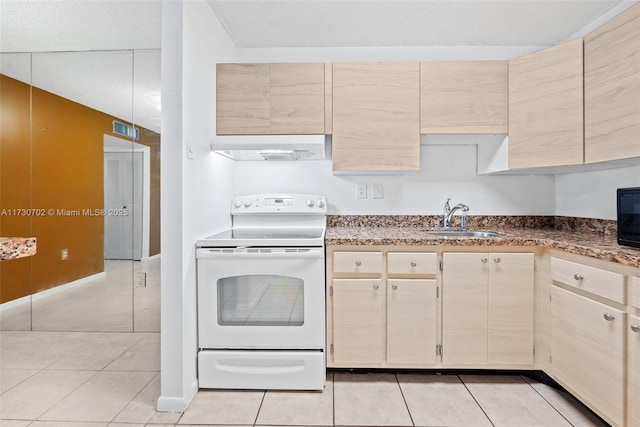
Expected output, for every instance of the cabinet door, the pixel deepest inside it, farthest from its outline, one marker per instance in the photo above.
(464, 310)
(242, 99)
(634, 371)
(546, 107)
(411, 321)
(358, 321)
(376, 115)
(464, 97)
(587, 351)
(612, 88)
(511, 301)
(297, 99)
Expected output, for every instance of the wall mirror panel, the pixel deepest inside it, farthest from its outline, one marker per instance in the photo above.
(94, 172)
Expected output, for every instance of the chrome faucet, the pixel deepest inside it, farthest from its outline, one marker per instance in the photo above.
(448, 212)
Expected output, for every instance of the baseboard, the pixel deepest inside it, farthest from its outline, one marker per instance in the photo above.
(177, 404)
(51, 291)
(151, 258)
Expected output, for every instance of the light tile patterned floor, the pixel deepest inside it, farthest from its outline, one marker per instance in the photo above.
(98, 379)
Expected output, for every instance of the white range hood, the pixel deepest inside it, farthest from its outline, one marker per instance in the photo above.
(273, 147)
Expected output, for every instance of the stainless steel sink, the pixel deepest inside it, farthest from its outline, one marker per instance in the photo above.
(454, 233)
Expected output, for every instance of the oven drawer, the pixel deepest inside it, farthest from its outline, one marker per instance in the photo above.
(270, 370)
(357, 262)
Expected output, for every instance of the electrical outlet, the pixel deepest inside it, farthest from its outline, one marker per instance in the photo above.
(141, 280)
(64, 254)
(378, 191)
(361, 190)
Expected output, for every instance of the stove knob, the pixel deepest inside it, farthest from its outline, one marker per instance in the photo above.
(246, 203)
(320, 203)
(310, 203)
(237, 204)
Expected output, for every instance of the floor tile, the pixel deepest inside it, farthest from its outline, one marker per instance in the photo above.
(223, 407)
(34, 396)
(440, 400)
(165, 418)
(96, 350)
(34, 350)
(15, 423)
(567, 405)
(143, 406)
(301, 408)
(65, 424)
(101, 398)
(369, 399)
(11, 377)
(144, 356)
(510, 401)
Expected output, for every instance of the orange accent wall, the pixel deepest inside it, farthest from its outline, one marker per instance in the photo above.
(66, 175)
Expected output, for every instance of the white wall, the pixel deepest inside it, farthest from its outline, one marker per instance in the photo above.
(593, 194)
(196, 192)
(446, 171)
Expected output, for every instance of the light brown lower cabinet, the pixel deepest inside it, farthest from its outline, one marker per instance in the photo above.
(633, 360)
(488, 309)
(411, 321)
(588, 352)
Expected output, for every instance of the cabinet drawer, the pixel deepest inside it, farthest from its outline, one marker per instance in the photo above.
(606, 284)
(634, 291)
(357, 262)
(415, 264)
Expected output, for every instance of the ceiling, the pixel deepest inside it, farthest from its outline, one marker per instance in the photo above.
(333, 23)
(103, 81)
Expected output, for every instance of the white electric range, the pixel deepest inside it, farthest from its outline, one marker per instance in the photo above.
(261, 298)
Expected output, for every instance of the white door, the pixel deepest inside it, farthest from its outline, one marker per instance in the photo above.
(123, 191)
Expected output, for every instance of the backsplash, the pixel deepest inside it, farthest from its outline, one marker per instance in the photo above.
(476, 221)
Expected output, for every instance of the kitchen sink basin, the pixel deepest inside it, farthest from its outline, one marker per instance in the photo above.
(453, 233)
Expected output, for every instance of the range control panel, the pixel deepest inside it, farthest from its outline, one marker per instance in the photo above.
(279, 204)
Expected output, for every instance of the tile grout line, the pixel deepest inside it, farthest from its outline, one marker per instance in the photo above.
(134, 397)
(404, 400)
(255, 421)
(545, 399)
(15, 385)
(475, 400)
(67, 395)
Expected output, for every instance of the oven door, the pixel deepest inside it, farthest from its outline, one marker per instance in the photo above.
(261, 298)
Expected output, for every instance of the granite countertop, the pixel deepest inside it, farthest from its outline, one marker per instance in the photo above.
(17, 247)
(587, 243)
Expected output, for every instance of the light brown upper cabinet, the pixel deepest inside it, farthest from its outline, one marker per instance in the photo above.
(612, 89)
(277, 99)
(464, 97)
(376, 116)
(546, 125)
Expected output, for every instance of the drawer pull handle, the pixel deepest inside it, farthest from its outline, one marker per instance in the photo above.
(496, 260)
(376, 286)
(394, 287)
(635, 328)
(358, 263)
(578, 276)
(413, 264)
(609, 317)
(484, 260)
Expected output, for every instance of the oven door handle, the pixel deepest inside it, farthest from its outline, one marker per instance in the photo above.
(204, 253)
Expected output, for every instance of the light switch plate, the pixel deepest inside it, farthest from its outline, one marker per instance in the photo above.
(361, 190)
(378, 191)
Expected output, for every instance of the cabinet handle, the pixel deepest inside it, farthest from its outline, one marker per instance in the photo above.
(484, 260)
(609, 317)
(413, 264)
(635, 328)
(358, 263)
(394, 287)
(578, 276)
(496, 260)
(376, 286)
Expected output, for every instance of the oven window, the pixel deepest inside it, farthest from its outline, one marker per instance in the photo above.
(260, 300)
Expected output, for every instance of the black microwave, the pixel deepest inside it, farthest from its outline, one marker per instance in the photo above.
(629, 216)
